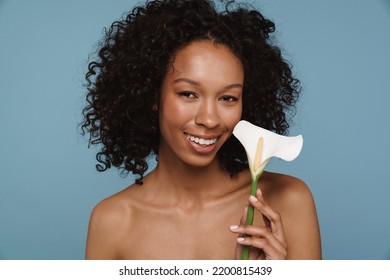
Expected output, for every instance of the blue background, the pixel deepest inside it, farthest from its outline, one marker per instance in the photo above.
(48, 184)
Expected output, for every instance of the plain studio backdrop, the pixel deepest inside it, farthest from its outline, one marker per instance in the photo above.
(48, 182)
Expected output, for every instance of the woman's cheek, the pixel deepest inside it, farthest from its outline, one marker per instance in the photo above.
(232, 117)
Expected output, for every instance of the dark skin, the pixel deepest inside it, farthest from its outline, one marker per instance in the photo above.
(185, 231)
(188, 207)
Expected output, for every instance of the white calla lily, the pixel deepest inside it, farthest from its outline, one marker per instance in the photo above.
(260, 146)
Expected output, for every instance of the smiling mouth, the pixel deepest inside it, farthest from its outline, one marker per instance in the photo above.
(201, 141)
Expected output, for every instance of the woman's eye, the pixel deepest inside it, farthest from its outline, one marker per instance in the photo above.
(229, 98)
(188, 94)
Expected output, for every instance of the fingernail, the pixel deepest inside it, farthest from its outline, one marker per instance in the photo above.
(233, 227)
(253, 198)
(241, 239)
(259, 192)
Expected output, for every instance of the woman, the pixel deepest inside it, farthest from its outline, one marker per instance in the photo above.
(173, 79)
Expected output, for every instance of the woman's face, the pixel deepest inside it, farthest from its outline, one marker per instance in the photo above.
(200, 103)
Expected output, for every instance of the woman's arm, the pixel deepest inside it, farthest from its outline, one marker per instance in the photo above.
(292, 232)
(301, 223)
(103, 232)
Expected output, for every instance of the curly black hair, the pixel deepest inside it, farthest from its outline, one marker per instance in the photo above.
(124, 82)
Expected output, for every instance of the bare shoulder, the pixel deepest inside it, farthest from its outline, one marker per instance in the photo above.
(286, 189)
(110, 211)
(109, 222)
(293, 200)
(288, 195)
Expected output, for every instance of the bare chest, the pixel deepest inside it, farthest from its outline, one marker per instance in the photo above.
(172, 236)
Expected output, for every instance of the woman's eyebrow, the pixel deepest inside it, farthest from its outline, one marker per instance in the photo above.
(234, 86)
(195, 83)
(186, 80)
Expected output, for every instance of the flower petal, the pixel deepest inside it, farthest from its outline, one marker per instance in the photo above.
(274, 145)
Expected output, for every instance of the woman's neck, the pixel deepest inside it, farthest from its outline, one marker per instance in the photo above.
(189, 185)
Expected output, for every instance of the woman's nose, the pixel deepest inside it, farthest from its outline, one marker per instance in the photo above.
(207, 115)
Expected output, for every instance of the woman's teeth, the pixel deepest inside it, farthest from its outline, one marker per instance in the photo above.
(201, 141)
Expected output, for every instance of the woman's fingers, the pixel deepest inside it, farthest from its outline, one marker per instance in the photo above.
(265, 241)
(242, 221)
(261, 238)
(270, 251)
(271, 218)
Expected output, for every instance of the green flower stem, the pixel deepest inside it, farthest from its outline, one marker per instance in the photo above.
(249, 216)
(251, 211)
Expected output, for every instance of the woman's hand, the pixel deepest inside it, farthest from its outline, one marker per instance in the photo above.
(266, 242)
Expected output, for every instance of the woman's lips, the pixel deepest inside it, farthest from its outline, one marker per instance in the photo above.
(201, 141)
(201, 144)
